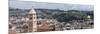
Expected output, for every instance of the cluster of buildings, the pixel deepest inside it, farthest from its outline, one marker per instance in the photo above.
(31, 23)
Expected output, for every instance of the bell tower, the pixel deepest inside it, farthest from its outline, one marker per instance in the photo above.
(32, 21)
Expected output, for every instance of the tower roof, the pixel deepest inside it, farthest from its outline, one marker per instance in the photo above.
(32, 11)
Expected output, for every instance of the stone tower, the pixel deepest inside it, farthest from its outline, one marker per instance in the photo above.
(32, 21)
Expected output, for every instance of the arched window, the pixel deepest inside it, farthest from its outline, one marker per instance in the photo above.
(38, 23)
(30, 18)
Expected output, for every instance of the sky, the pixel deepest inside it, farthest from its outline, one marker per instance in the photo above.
(48, 5)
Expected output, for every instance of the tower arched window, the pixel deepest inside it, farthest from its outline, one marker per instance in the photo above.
(30, 18)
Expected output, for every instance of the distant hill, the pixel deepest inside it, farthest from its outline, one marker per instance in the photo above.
(44, 13)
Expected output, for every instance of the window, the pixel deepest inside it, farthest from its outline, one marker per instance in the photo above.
(38, 23)
(34, 17)
(30, 18)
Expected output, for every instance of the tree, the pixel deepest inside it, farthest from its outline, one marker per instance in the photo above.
(64, 17)
(69, 16)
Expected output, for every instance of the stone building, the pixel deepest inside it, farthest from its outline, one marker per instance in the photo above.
(32, 25)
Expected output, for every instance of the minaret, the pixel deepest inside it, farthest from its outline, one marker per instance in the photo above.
(32, 21)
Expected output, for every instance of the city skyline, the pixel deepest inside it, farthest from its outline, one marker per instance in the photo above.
(44, 16)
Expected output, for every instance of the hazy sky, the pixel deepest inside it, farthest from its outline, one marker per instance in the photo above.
(29, 4)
